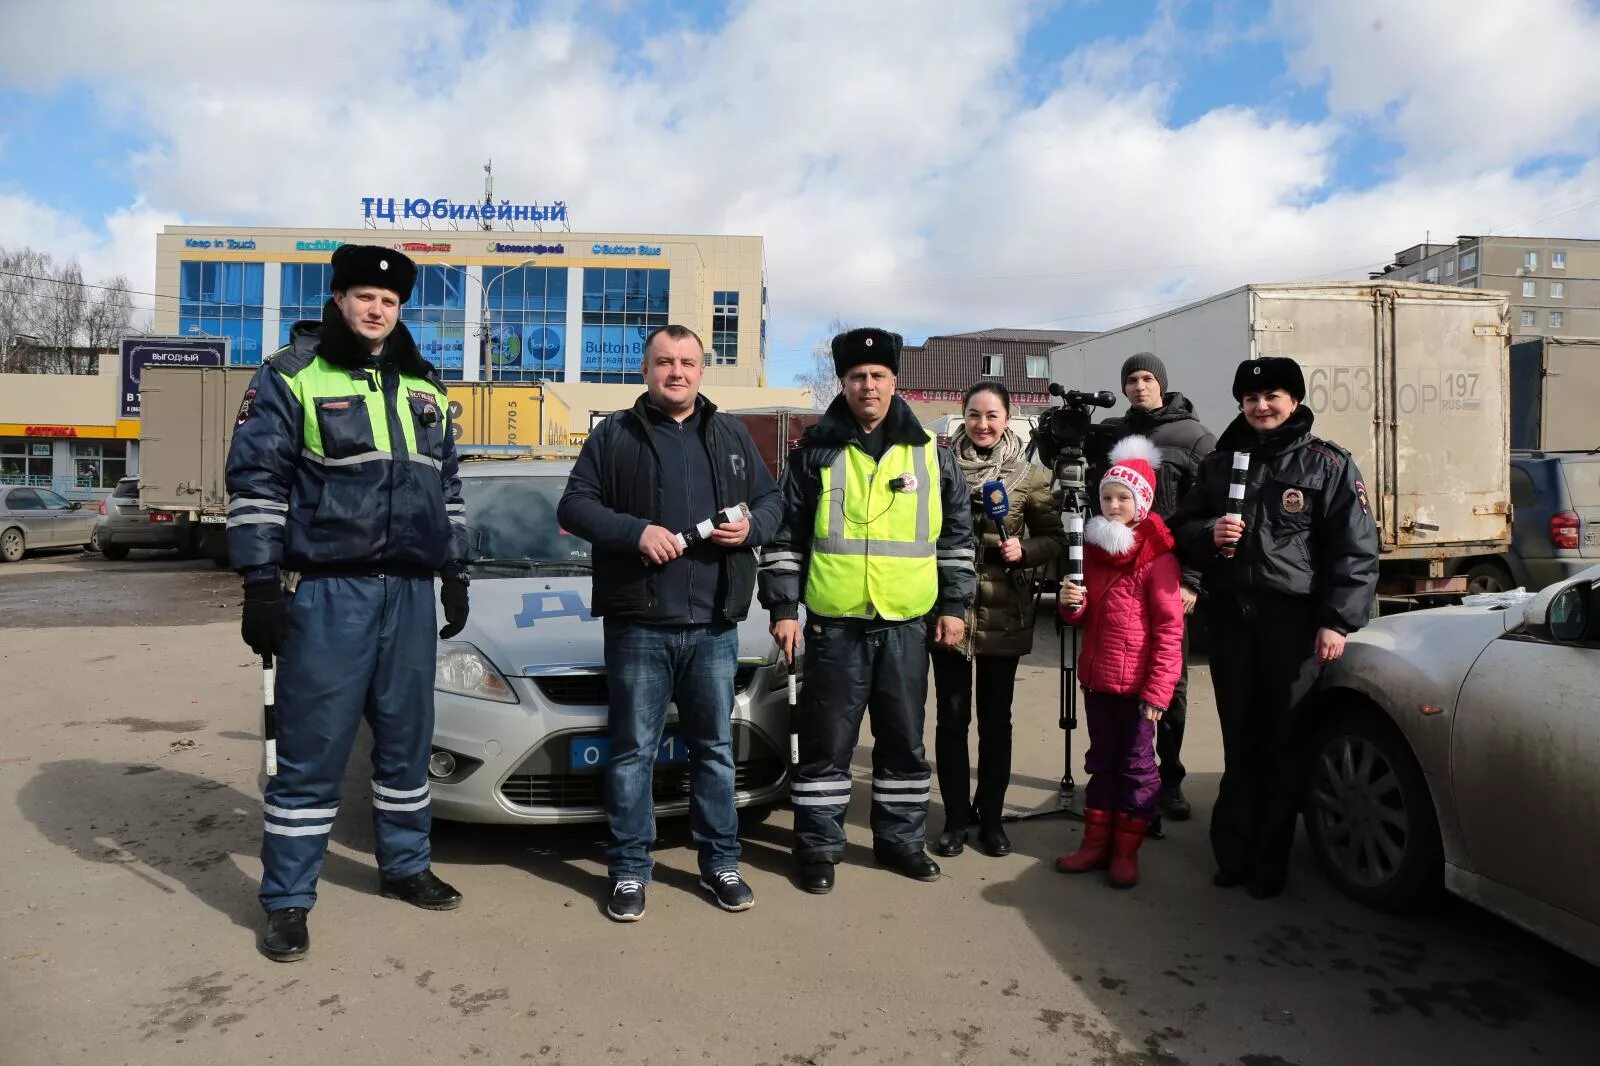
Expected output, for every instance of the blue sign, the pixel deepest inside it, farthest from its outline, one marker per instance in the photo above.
(527, 347)
(225, 243)
(444, 209)
(626, 249)
(613, 349)
(141, 352)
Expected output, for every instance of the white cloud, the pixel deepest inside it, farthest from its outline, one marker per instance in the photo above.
(1478, 83)
(883, 150)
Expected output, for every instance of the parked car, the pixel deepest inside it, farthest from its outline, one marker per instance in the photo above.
(520, 694)
(1555, 528)
(31, 519)
(1458, 747)
(123, 525)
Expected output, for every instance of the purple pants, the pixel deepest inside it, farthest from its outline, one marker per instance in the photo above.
(1121, 759)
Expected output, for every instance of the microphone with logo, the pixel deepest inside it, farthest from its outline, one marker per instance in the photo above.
(996, 504)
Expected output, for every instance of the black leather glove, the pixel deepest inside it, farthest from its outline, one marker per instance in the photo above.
(453, 597)
(264, 625)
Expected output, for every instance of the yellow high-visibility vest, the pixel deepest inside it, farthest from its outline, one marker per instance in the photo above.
(873, 547)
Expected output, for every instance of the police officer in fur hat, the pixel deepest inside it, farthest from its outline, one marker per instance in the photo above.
(1286, 582)
(877, 534)
(345, 509)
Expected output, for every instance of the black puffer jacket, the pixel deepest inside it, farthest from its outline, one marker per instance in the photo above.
(1183, 441)
(1308, 526)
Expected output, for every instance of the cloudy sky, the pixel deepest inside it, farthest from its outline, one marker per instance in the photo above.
(925, 165)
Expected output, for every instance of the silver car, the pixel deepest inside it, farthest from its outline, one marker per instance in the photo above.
(1458, 749)
(124, 525)
(520, 729)
(32, 518)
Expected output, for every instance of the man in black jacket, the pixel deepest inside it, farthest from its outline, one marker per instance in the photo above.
(1285, 582)
(1168, 420)
(671, 610)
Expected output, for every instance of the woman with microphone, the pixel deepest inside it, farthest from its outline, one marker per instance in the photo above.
(1018, 529)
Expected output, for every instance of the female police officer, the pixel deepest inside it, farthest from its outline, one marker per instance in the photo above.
(1286, 581)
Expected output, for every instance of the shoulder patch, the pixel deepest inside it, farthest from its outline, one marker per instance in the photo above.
(1361, 497)
(246, 407)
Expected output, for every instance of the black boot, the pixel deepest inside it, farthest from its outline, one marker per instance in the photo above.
(1174, 804)
(816, 877)
(993, 840)
(286, 938)
(421, 890)
(951, 842)
(913, 864)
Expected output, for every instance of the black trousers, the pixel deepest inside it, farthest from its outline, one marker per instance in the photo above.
(1169, 730)
(1264, 668)
(952, 680)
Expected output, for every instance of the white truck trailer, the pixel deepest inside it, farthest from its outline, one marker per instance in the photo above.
(1412, 379)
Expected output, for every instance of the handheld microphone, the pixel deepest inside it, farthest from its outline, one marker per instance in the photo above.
(996, 504)
(728, 515)
(1236, 483)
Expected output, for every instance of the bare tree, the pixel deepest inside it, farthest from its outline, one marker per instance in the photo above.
(822, 379)
(107, 320)
(51, 322)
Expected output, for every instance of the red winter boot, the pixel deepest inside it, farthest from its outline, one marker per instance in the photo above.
(1130, 832)
(1095, 850)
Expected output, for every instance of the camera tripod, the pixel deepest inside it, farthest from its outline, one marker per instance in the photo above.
(1071, 472)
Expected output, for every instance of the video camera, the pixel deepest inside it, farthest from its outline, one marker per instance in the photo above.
(1066, 438)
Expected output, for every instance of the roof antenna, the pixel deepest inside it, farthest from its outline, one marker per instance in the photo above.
(488, 195)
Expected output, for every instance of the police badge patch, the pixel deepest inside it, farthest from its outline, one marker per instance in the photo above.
(1294, 501)
(245, 407)
(1361, 497)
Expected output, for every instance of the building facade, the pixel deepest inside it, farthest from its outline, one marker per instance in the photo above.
(488, 304)
(934, 374)
(1554, 282)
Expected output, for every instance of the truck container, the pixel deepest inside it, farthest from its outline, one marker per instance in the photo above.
(777, 431)
(1412, 379)
(187, 424)
(1555, 382)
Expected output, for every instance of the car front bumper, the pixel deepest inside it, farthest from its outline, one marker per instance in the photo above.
(512, 763)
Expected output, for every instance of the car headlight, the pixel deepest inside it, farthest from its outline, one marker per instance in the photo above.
(466, 671)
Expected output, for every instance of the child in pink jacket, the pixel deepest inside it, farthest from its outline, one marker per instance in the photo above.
(1130, 660)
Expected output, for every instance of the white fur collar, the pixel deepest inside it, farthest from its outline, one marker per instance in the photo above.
(1113, 538)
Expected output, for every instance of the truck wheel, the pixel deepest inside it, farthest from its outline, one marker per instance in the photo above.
(12, 545)
(1370, 815)
(1489, 576)
(115, 552)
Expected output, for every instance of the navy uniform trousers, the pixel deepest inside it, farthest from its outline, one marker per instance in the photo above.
(855, 667)
(357, 646)
(1264, 670)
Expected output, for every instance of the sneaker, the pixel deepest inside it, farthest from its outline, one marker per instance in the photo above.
(627, 901)
(729, 890)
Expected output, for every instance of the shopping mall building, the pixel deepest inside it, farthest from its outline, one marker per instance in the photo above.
(569, 310)
(514, 306)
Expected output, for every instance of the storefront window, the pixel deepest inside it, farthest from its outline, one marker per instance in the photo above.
(223, 300)
(620, 308)
(26, 462)
(527, 309)
(101, 464)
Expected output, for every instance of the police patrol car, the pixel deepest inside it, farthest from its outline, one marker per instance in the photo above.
(520, 693)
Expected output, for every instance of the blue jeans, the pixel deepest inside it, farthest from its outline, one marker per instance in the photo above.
(648, 667)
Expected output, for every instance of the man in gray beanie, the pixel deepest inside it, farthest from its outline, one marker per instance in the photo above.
(1168, 419)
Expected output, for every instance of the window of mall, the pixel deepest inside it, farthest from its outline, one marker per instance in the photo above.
(527, 309)
(100, 464)
(223, 300)
(26, 462)
(725, 329)
(620, 308)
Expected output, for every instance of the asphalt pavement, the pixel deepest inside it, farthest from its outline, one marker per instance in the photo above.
(129, 808)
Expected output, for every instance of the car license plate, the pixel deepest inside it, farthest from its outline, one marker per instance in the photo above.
(213, 519)
(590, 754)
